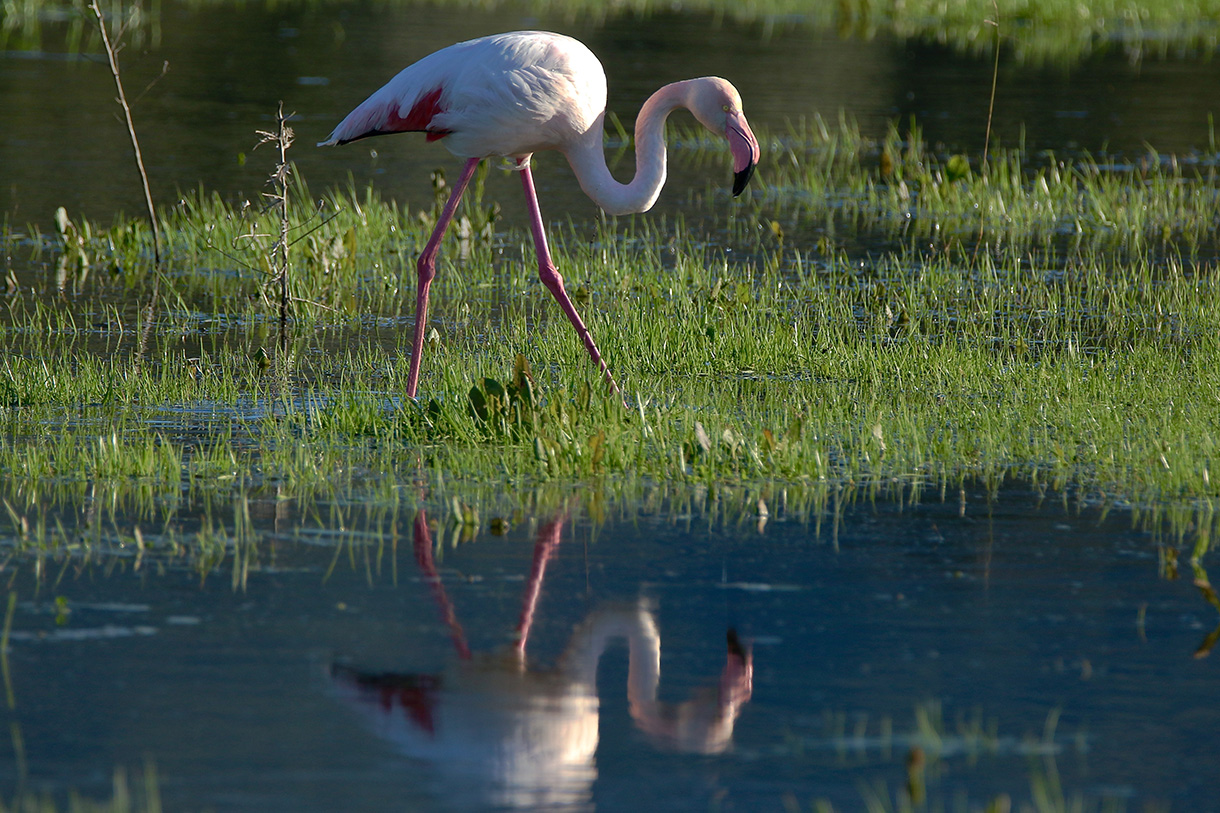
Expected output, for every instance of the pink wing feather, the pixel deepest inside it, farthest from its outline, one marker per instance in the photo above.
(382, 114)
(508, 94)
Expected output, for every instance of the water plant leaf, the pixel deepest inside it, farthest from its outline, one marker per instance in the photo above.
(523, 381)
(63, 224)
(957, 168)
(597, 448)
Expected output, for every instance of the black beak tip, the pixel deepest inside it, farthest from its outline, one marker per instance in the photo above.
(740, 179)
(735, 645)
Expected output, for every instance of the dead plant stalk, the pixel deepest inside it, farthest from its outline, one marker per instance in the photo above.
(282, 137)
(113, 57)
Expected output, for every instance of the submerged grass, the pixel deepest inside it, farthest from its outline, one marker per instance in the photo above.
(143, 796)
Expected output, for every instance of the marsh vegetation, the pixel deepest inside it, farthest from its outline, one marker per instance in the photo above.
(1040, 319)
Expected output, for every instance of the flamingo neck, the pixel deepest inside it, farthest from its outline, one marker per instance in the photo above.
(593, 637)
(588, 157)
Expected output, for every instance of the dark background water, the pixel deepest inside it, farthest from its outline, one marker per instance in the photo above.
(1010, 613)
(62, 144)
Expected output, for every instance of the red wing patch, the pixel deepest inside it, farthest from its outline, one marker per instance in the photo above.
(418, 118)
(419, 702)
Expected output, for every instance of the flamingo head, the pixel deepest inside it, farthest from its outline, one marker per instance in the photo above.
(717, 106)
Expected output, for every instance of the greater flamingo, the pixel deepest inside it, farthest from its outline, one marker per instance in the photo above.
(497, 732)
(514, 94)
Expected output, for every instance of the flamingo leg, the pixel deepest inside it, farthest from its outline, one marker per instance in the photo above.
(550, 275)
(423, 558)
(425, 267)
(544, 549)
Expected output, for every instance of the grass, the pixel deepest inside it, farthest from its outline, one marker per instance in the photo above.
(144, 796)
(1110, 203)
(874, 317)
(932, 748)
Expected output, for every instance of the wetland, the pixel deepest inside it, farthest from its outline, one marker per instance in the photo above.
(910, 508)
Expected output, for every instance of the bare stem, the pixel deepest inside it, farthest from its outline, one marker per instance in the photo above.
(995, 72)
(285, 138)
(282, 138)
(112, 56)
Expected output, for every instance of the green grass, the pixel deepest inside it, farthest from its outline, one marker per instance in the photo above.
(887, 319)
(898, 185)
(932, 746)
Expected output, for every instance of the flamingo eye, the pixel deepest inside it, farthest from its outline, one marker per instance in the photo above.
(728, 108)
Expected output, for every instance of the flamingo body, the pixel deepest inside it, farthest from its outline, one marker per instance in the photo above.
(505, 95)
(515, 94)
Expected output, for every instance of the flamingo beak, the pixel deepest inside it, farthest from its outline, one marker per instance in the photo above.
(745, 150)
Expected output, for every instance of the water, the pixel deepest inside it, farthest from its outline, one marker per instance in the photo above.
(1043, 638)
(62, 145)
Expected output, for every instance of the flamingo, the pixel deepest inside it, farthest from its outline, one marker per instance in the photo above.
(499, 732)
(511, 95)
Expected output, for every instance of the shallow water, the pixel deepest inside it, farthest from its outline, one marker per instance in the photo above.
(1041, 642)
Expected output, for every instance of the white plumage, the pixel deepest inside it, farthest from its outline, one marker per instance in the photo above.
(514, 94)
(505, 95)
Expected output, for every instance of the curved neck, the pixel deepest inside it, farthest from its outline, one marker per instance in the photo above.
(593, 637)
(588, 157)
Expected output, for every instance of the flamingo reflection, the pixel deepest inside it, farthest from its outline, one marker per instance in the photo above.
(499, 733)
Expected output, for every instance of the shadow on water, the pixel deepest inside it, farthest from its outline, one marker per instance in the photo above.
(971, 648)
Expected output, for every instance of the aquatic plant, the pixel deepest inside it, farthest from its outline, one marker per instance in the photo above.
(877, 316)
(138, 794)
